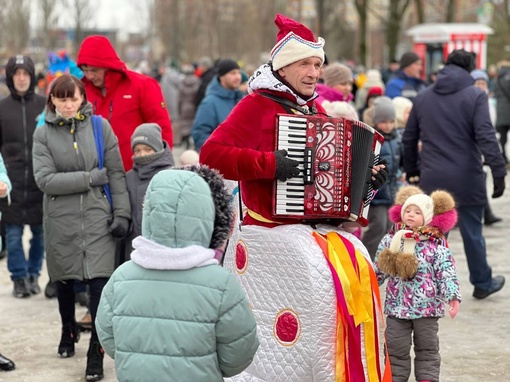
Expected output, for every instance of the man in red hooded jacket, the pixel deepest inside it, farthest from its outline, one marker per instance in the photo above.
(124, 97)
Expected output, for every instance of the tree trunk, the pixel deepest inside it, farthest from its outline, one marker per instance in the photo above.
(450, 11)
(397, 10)
(361, 7)
(420, 11)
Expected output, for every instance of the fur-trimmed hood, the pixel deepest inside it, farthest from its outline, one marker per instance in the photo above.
(187, 206)
(445, 214)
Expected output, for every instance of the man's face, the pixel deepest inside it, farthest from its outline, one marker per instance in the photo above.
(21, 79)
(94, 75)
(231, 80)
(302, 75)
(394, 66)
(414, 70)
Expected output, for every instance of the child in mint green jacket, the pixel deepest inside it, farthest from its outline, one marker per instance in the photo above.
(5, 186)
(172, 313)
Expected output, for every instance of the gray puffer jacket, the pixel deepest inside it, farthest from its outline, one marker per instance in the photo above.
(77, 241)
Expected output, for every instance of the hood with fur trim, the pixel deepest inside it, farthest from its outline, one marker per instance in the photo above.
(187, 206)
(445, 214)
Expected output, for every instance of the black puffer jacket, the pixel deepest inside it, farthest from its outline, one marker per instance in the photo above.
(18, 118)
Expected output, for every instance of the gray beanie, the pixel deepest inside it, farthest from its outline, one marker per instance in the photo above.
(337, 74)
(149, 134)
(407, 59)
(384, 110)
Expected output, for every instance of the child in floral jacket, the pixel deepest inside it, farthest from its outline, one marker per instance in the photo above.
(420, 269)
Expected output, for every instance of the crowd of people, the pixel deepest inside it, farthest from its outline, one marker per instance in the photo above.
(89, 168)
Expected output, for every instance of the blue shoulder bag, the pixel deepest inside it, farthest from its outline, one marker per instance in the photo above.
(97, 124)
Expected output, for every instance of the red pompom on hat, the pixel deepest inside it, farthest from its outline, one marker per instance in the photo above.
(294, 41)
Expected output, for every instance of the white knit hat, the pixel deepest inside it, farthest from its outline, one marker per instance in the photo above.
(424, 203)
(294, 42)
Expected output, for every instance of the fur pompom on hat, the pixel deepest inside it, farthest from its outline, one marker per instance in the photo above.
(224, 218)
(337, 74)
(294, 42)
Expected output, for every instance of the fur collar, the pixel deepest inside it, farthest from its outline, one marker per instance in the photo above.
(151, 255)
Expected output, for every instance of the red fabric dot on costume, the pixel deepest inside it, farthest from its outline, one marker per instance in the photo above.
(287, 327)
(241, 257)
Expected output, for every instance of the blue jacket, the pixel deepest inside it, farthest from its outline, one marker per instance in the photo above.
(213, 110)
(391, 150)
(402, 85)
(452, 120)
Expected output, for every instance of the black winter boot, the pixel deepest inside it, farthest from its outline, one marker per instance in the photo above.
(488, 217)
(6, 364)
(70, 335)
(95, 356)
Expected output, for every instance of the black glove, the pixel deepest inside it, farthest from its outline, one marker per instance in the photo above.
(379, 178)
(98, 177)
(285, 168)
(499, 187)
(413, 177)
(118, 227)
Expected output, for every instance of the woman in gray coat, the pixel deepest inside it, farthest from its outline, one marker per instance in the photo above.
(80, 225)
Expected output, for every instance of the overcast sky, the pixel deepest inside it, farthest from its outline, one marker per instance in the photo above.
(125, 15)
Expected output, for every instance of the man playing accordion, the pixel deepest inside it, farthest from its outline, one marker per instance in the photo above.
(311, 288)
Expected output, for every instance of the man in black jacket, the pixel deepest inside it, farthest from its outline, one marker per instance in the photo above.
(18, 117)
(451, 119)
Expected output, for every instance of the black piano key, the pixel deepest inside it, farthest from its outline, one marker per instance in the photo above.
(295, 210)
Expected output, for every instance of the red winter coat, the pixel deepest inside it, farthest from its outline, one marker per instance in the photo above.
(130, 98)
(242, 147)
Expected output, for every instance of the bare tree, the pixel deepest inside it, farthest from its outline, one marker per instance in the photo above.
(420, 12)
(15, 16)
(450, 11)
(362, 8)
(82, 12)
(392, 19)
(49, 19)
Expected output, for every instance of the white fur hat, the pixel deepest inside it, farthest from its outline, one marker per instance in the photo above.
(424, 203)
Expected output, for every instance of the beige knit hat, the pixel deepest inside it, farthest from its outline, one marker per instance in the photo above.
(336, 74)
(424, 203)
(294, 42)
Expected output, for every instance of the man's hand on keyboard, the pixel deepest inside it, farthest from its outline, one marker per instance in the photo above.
(285, 168)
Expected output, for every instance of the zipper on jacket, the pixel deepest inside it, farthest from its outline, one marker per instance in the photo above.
(73, 132)
(27, 154)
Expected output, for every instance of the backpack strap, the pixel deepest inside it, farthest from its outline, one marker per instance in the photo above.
(97, 125)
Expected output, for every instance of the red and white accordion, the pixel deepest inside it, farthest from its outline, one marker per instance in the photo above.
(335, 157)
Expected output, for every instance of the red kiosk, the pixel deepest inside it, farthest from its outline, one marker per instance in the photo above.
(434, 42)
